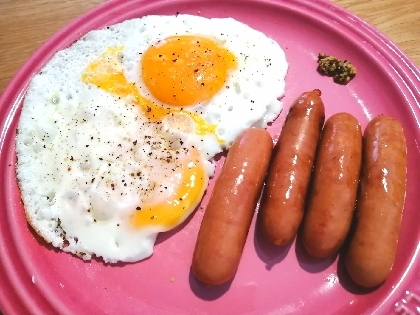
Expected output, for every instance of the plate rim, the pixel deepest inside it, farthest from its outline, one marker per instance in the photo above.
(13, 96)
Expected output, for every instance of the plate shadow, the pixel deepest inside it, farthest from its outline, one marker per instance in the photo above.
(207, 292)
(269, 253)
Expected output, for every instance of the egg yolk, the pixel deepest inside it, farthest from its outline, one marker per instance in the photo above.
(190, 181)
(184, 70)
(107, 74)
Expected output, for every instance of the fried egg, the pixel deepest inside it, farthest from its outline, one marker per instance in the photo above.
(117, 132)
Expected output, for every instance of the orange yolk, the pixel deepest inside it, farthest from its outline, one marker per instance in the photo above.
(189, 188)
(190, 179)
(107, 74)
(184, 70)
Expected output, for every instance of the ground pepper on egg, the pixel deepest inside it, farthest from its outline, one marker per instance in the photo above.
(127, 159)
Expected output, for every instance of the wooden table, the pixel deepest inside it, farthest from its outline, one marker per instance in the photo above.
(26, 24)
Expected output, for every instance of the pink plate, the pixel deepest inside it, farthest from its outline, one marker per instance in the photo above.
(36, 279)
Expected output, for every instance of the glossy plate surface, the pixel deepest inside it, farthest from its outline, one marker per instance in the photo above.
(37, 279)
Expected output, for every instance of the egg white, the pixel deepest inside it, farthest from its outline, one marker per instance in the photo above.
(251, 94)
(75, 142)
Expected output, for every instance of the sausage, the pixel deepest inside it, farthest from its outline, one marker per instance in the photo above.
(334, 189)
(283, 200)
(231, 207)
(380, 203)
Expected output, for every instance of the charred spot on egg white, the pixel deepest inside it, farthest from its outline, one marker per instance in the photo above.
(185, 70)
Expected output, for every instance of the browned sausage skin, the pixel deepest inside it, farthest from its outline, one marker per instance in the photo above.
(336, 177)
(373, 246)
(231, 207)
(283, 200)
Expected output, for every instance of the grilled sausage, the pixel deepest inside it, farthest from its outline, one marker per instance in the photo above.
(380, 205)
(336, 177)
(283, 199)
(231, 207)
